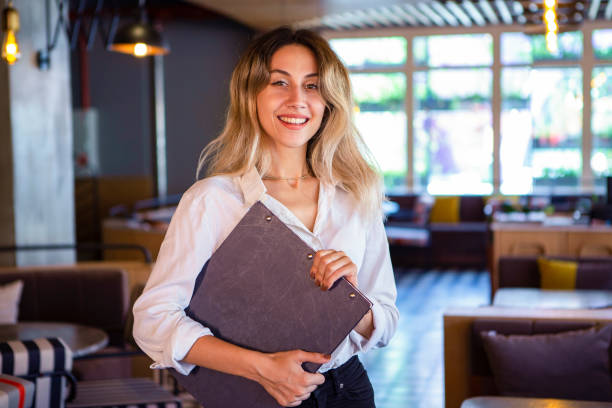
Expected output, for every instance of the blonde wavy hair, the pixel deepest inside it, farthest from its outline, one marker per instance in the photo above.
(336, 154)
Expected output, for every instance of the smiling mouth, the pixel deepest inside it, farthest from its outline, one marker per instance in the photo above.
(292, 121)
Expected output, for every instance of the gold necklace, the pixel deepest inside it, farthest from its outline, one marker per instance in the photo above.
(305, 176)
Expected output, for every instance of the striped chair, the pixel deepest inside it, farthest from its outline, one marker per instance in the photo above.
(15, 392)
(46, 362)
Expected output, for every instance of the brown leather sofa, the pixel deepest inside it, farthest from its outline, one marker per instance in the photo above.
(96, 297)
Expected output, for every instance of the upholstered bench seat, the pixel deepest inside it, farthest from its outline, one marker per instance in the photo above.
(514, 402)
(123, 392)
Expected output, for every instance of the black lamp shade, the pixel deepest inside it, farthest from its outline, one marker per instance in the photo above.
(131, 34)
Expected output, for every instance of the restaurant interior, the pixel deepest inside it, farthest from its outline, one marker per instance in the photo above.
(489, 120)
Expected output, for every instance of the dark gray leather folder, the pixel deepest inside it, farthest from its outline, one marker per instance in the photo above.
(255, 291)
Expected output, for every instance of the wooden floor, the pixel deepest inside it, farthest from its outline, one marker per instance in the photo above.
(408, 373)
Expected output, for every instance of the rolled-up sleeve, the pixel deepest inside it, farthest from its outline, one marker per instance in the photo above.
(161, 327)
(377, 282)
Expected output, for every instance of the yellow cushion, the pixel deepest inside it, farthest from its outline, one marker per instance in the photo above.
(557, 274)
(445, 209)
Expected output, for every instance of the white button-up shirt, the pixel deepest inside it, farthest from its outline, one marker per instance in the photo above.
(205, 216)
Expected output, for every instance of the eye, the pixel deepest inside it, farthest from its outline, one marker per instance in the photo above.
(279, 83)
(312, 86)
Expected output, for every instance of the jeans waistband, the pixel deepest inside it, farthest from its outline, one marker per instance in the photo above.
(336, 376)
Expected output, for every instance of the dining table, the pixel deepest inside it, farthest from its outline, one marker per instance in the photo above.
(82, 340)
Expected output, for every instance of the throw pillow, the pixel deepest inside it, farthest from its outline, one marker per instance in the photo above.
(445, 209)
(556, 274)
(10, 295)
(570, 365)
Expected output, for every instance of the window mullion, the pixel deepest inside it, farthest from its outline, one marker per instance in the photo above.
(496, 106)
(409, 108)
(588, 62)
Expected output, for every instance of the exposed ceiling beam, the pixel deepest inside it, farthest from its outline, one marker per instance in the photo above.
(379, 17)
(437, 20)
(336, 22)
(608, 12)
(404, 15)
(594, 9)
(488, 11)
(458, 11)
(473, 12)
(363, 18)
(417, 14)
(444, 13)
(394, 17)
(504, 12)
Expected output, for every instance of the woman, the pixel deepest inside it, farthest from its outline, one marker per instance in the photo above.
(289, 142)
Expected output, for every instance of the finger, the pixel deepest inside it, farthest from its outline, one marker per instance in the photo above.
(313, 357)
(317, 259)
(349, 271)
(294, 404)
(310, 388)
(315, 379)
(324, 264)
(332, 268)
(303, 397)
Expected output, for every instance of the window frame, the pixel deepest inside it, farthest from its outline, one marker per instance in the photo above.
(586, 63)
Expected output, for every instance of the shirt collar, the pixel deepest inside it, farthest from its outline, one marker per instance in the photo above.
(251, 186)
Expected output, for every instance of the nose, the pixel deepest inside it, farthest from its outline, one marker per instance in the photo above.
(296, 97)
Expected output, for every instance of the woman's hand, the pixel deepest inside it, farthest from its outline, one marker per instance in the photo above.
(283, 377)
(328, 266)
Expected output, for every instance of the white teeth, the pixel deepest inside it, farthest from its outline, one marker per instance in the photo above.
(293, 121)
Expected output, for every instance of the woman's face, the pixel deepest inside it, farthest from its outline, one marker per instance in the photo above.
(290, 107)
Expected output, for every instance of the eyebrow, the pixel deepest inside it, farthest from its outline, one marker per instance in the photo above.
(280, 71)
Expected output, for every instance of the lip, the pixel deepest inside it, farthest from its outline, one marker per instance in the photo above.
(293, 126)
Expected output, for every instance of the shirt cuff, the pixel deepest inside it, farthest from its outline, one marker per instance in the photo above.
(363, 344)
(181, 342)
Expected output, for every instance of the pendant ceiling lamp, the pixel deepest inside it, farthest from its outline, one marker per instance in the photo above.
(140, 39)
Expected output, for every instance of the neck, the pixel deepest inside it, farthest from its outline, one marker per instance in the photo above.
(289, 164)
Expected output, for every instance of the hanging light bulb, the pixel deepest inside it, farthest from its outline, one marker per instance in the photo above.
(10, 25)
(140, 39)
(550, 19)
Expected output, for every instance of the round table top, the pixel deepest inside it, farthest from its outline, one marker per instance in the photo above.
(82, 340)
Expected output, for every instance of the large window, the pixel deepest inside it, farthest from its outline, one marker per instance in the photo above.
(453, 135)
(443, 141)
(601, 123)
(380, 116)
(380, 113)
(601, 119)
(541, 114)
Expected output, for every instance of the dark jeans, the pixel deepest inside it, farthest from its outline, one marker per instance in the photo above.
(347, 386)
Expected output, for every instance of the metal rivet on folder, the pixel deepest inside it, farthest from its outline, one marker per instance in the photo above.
(352, 295)
(309, 256)
(268, 218)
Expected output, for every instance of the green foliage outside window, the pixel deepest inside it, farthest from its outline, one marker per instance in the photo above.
(371, 52)
(379, 92)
